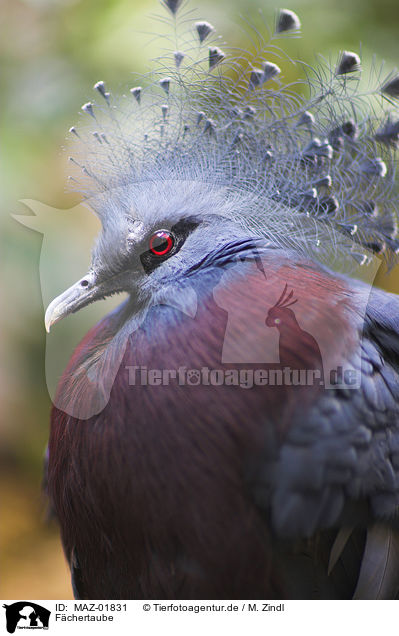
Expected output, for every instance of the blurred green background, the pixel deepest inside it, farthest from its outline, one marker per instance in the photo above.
(52, 52)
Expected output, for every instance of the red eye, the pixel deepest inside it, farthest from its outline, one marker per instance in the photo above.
(161, 242)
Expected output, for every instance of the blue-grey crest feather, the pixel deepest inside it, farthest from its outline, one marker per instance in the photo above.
(315, 170)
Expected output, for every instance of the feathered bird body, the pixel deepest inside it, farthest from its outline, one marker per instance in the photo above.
(216, 193)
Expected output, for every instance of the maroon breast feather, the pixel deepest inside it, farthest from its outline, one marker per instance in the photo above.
(153, 494)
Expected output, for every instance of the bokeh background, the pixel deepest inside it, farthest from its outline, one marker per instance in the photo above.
(51, 54)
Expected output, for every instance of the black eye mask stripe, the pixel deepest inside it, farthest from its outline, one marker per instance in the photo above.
(180, 231)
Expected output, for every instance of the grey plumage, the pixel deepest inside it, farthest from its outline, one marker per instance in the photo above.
(179, 57)
(136, 92)
(203, 30)
(287, 20)
(270, 70)
(88, 108)
(391, 86)
(216, 56)
(100, 87)
(173, 5)
(348, 63)
(165, 84)
(351, 455)
(305, 142)
(388, 133)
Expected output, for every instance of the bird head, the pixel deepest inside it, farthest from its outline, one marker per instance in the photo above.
(171, 230)
(209, 159)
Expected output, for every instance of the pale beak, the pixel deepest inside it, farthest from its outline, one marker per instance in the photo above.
(79, 295)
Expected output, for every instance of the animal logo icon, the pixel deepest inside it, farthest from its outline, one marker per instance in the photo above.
(193, 377)
(298, 349)
(26, 615)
